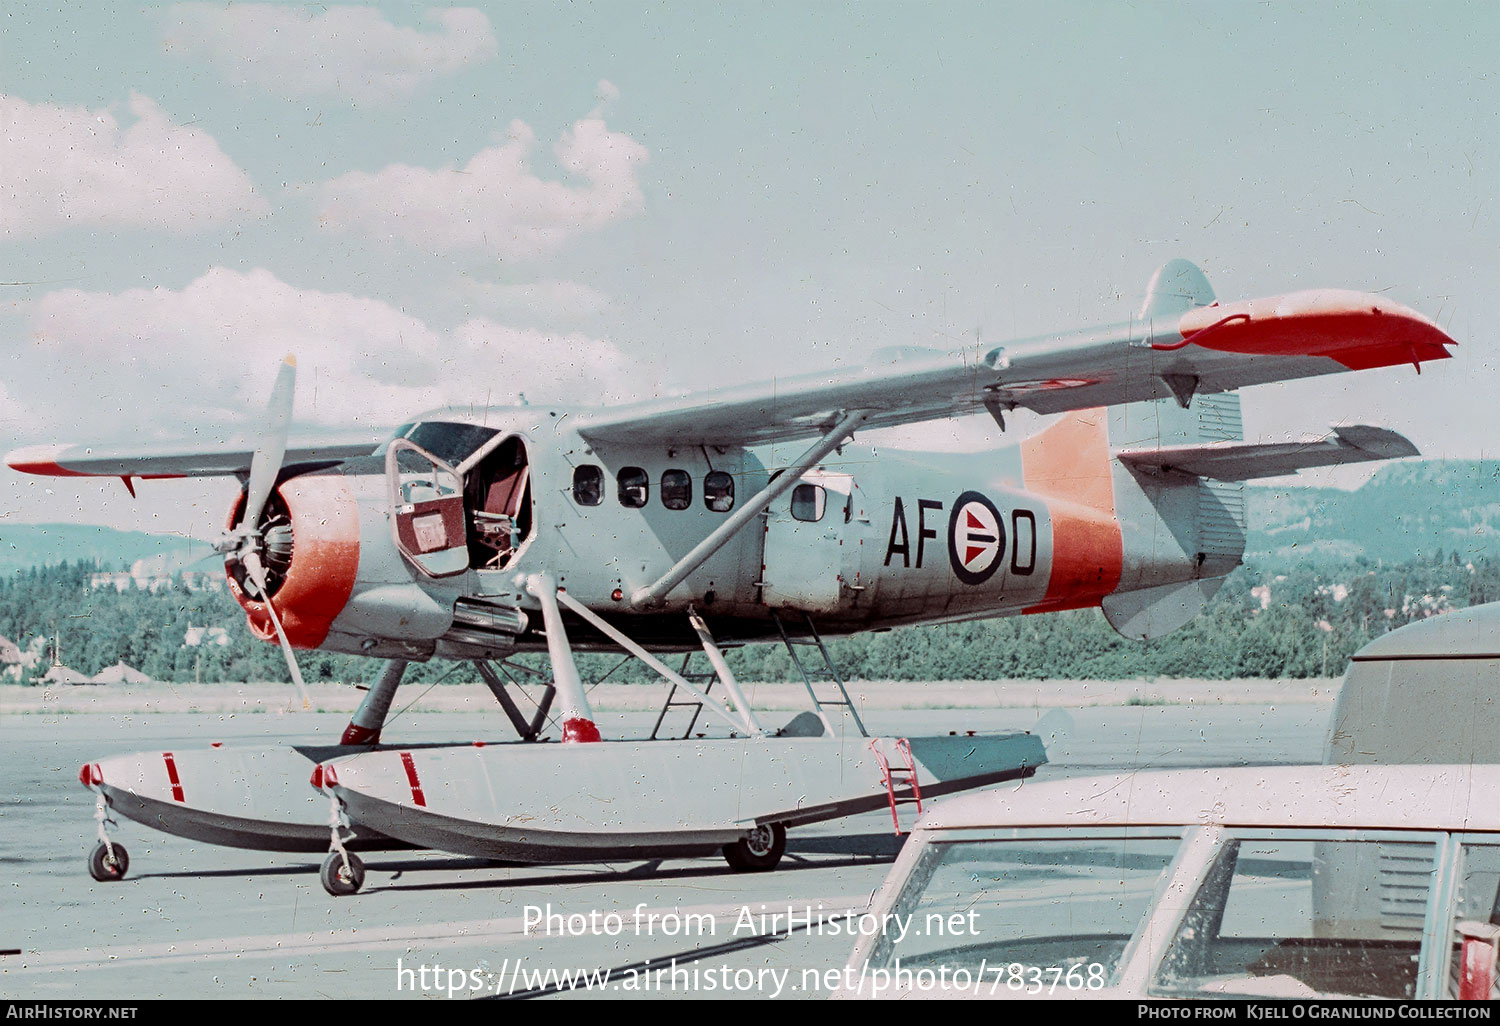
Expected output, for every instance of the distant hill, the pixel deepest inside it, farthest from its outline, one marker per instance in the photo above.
(1406, 511)
(27, 545)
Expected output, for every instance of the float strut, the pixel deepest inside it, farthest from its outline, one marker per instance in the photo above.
(525, 730)
(369, 718)
(577, 717)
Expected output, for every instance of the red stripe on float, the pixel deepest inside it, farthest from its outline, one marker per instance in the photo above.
(411, 778)
(90, 775)
(172, 776)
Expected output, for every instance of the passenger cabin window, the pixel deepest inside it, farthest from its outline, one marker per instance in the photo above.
(588, 485)
(635, 487)
(676, 489)
(718, 491)
(808, 501)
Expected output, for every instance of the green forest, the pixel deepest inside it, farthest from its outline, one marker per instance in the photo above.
(1301, 621)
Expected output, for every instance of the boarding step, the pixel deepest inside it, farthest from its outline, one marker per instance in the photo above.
(902, 776)
(814, 640)
(705, 680)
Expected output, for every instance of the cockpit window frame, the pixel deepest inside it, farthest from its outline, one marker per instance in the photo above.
(453, 449)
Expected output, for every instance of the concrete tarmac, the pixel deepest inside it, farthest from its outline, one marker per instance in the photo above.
(193, 921)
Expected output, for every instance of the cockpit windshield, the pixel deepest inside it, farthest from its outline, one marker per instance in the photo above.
(448, 441)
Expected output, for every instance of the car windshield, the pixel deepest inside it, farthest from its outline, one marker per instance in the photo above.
(979, 906)
(1291, 917)
(452, 443)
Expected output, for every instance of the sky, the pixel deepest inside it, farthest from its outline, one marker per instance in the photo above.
(596, 202)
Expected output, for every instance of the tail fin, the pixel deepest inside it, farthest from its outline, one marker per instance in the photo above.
(1178, 468)
(1181, 534)
(1177, 287)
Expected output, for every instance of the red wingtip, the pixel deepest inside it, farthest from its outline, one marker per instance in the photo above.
(1356, 329)
(40, 459)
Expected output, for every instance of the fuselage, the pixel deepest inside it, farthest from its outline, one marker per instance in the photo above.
(424, 548)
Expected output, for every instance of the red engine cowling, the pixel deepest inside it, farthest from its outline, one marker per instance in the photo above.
(317, 583)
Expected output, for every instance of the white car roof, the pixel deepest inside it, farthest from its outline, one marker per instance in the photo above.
(1407, 797)
(1471, 633)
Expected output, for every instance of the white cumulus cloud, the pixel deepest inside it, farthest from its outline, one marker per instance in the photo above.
(547, 301)
(168, 363)
(350, 52)
(495, 203)
(68, 166)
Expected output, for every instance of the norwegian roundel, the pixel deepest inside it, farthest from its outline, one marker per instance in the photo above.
(976, 538)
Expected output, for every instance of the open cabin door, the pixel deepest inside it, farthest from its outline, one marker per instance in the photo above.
(427, 510)
(498, 487)
(805, 554)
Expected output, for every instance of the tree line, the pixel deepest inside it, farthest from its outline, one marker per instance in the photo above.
(1265, 622)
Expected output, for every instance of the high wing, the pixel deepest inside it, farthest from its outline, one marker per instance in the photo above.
(163, 461)
(1183, 343)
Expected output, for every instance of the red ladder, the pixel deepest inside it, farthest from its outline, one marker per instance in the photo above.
(906, 776)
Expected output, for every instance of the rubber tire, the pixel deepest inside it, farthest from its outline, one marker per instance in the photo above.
(759, 851)
(338, 882)
(103, 868)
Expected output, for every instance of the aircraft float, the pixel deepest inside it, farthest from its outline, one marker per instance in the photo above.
(747, 514)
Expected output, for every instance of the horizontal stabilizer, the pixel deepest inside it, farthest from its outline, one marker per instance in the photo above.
(1239, 461)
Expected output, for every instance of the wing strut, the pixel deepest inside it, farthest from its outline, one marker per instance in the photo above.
(754, 507)
(725, 675)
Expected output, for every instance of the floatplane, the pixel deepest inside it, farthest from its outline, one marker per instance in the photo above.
(679, 525)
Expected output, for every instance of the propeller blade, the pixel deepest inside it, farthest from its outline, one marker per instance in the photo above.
(266, 463)
(257, 572)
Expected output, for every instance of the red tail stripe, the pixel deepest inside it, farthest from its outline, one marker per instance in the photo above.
(172, 776)
(411, 778)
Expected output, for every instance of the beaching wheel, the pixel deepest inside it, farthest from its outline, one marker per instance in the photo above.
(104, 866)
(340, 879)
(759, 850)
